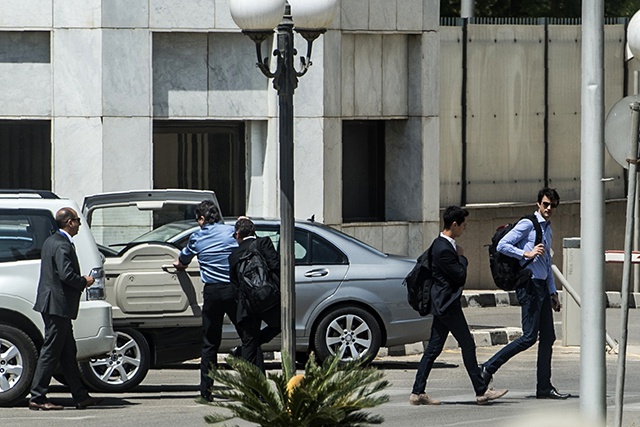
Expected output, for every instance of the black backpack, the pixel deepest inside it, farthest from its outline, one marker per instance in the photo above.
(505, 269)
(418, 283)
(258, 288)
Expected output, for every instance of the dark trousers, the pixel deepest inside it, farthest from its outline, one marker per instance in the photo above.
(218, 299)
(537, 321)
(59, 349)
(253, 337)
(452, 321)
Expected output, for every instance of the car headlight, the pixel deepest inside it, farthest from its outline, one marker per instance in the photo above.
(97, 290)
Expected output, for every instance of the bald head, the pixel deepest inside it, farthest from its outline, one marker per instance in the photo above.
(67, 220)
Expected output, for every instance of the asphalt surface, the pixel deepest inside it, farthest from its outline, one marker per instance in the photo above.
(166, 397)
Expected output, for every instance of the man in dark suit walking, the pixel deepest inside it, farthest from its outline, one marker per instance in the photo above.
(58, 300)
(449, 273)
(252, 335)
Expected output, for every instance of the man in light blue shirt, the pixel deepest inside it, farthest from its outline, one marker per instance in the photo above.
(212, 244)
(537, 299)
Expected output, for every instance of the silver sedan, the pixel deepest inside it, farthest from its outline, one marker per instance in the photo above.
(349, 296)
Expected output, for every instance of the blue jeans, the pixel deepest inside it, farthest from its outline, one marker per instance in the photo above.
(537, 322)
(452, 321)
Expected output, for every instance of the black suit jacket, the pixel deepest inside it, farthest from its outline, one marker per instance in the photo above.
(449, 274)
(265, 247)
(61, 283)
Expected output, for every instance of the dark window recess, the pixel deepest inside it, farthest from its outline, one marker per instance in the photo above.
(202, 156)
(22, 233)
(26, 162)
(363, 169)
(25, 47)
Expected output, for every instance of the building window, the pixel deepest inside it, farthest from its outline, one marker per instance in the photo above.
(26, 162)
(202, 156)
(363, 171)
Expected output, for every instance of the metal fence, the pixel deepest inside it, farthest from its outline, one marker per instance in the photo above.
(510, 107)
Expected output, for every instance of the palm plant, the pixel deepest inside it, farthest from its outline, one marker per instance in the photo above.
(331, 394)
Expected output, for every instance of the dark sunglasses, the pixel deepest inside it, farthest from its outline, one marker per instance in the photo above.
(547, 204)
(76, 219)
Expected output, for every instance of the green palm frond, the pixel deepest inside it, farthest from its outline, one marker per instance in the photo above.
(330, 394)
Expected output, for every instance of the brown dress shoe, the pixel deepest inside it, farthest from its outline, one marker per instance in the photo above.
(89, 401)
(46, 406)
(422, 399)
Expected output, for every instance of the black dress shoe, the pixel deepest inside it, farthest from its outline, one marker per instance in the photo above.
(486, 376)
(89, 401)
(552, 394)
(46, 406)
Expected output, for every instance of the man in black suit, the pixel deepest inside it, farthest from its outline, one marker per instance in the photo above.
(58, 300)
(449, 273)
(252, 336)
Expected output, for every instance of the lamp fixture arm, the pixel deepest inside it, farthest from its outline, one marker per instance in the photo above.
(305, 62)
(258, 38)
(309, 36)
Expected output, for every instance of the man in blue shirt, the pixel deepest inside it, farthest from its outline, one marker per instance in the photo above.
(212, 244)
(537, 299)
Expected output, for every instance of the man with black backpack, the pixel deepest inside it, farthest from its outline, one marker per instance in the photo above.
(254, 268)
(448, 276)
(538, 297)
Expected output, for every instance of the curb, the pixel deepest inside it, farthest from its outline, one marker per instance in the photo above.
(489, 337)
(499, 298)
(482, 338)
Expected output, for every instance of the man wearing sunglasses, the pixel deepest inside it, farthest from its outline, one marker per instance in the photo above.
(58, 299)
(537, 299)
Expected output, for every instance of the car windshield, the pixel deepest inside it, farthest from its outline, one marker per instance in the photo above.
(166, 232)
(117, 226)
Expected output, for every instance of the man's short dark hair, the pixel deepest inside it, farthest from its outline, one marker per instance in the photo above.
(63, 215)
(551, 194)
(245, 227)
(454, 214)
(209, 211)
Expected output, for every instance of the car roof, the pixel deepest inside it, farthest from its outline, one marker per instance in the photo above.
(12, 193)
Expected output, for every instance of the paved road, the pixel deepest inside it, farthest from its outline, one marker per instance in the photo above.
(166, 396)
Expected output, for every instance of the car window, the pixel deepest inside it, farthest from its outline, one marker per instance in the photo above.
(116, 226)
(22, 233)
(309, 249)
(325, 253)
(167, 232)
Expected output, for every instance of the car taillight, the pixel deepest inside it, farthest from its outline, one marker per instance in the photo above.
(97, 290)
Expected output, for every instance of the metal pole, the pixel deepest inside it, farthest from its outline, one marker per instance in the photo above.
(285, 82)
(626, 270)
(636, 212)
(592, 356)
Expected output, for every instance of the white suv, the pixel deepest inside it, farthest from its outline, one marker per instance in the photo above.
(26, 220)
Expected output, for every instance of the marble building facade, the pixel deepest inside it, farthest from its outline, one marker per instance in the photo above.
(106, 73)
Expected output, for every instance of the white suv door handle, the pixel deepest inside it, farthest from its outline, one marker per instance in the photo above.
(320, 272)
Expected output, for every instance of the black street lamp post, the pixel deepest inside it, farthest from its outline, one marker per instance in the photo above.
(316, 16)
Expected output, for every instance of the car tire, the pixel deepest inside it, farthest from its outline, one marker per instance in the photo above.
(122, 369)
(351, 332)
(18, 357)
